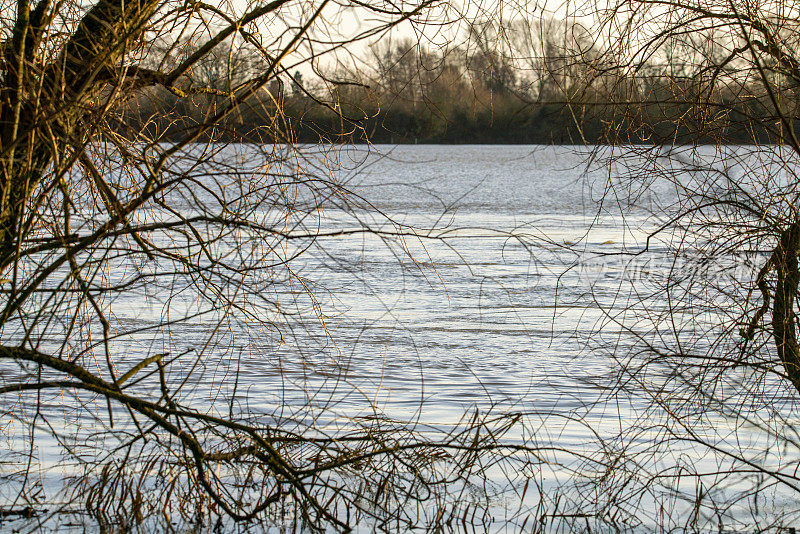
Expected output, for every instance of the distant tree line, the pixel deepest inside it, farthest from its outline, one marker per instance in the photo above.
(539, 82)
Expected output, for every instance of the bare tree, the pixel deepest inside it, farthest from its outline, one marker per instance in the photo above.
(703, 325)
(558, 55)
(111, 203)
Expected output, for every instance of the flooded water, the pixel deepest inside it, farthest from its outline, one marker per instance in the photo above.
(481, 284)
(474, 306)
